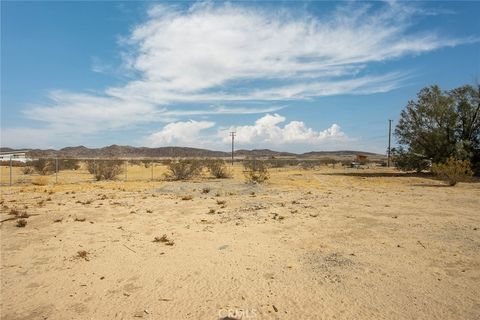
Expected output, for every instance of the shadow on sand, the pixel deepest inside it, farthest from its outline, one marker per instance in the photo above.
(424, 175)
(381, 174)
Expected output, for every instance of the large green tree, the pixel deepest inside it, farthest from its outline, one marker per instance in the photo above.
(440, 124)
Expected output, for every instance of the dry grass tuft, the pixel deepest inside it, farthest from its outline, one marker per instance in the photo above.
(164, 239)
(187, 197)
(18, 213)
(21, 223)
(14, 211)
(82, 254)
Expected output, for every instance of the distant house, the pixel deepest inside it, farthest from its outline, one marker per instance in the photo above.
(20, 156)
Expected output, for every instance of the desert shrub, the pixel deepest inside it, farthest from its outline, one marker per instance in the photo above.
(307, 164)
(21, 223)
(15, 163)
(90, 166)
(217, 168)
(183, 169)
(255, 171)
(27, 170)
(276, 163)
(146, 163)
(105, 169)
(453, 171)
(43, 166)
(135, 162)
(68, 164)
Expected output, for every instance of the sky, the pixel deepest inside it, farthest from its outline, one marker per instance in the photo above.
(289, 76)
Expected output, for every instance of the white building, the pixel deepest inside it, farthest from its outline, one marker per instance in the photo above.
(20, 155)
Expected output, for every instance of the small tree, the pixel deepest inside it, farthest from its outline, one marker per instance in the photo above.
(408, 161)
(217, 168)
(453, 171)
(255, 171)
(183, 169)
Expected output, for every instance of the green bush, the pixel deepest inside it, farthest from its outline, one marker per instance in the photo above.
(255, 171)
(183, 169)
(68, 164)
(217, 168)
(43, 166)
(105, 169)
(453, 171)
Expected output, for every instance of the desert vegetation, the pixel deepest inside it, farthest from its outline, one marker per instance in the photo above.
(217, 168)
(453, 171)
(105, 169)
(183, 169)
(439, 125)
(255, 171)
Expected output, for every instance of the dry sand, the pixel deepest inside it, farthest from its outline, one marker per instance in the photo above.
(323, 244)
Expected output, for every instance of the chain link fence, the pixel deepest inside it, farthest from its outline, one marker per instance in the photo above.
(44, 171)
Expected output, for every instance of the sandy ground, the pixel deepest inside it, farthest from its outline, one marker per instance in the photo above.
(320, 244)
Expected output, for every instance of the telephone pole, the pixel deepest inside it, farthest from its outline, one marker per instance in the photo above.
(232, 134)
(389, 141)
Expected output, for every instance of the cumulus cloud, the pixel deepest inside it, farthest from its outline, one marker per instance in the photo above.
(268, 130)
(187, 59)
(179, 133)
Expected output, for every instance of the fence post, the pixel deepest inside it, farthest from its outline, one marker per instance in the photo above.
(126, 170)
(151, 165)
(10, 170)
(56, 170)
(94, 170)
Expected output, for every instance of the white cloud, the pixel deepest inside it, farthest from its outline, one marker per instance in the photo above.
(195, 54)
(268, 131)
(226, 54)
(179, 133)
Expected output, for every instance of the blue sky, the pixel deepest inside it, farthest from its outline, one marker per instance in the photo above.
(293, 76)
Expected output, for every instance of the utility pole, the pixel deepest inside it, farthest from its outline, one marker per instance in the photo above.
(232, 134)
(389, 141)
(10, 170)
(56, 170)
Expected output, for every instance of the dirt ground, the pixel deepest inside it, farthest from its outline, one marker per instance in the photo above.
(316, 244)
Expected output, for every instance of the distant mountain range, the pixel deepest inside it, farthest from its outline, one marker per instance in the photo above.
(116, 151)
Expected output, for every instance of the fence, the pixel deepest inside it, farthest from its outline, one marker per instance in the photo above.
(42, 171)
